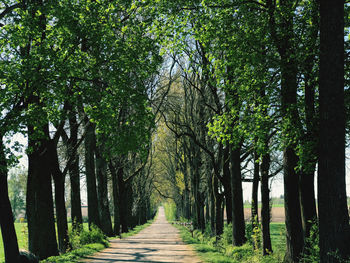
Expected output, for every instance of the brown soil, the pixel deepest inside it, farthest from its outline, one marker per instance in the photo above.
(159, 243)
(277, 214)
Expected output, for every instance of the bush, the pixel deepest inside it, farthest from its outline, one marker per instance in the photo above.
(227, 234)
(170, 211)
(81, 237)
(312, 250)
(76, 254)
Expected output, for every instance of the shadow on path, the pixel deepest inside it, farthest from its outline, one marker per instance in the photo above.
(158, 243)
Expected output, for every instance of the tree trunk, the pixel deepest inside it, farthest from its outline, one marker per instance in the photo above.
(283, 36)
(294, 231)
(201, 213)
(8, 232)
(195, 173)
(116, 198)
(254, 208)
(307, 201)
(76, 215)
(332, 203)
(226, 181)
(207, 210)
(265, 204)
(101, 171)
(89, 143)
(256, 179)
(211, 203)
(219, 222)
(238, 224)
(310, 138)
(187, 193)
(40, 212)
(123, 200)
(61, 212)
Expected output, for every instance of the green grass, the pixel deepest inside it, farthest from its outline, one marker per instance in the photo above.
(22, 237)
(73, 256)
(170, 211)
(76, 254)
(209, 252)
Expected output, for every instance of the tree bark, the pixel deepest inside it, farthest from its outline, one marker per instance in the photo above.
(116, 197)
(226, 181)
(101, 171)
(291, 123)
(89, 143)
(311, 136)
(8, 232)
(238, 224)
(307, 200)
(76, 215)
(123, 200)
(61, 211)
(334, 230)
(265, 204)
(254, 208)
(219, 221)
(40, 212)
(256, 179)
(211, 203)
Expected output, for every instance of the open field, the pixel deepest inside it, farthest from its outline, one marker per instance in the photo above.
(22, 236)
(277, 214)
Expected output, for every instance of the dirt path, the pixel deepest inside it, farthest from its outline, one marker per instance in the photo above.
(160, 242)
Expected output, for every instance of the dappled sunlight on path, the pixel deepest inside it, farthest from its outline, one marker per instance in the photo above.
(158, 243)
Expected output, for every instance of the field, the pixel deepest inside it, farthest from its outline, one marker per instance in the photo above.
(277, 214)
(22, 237)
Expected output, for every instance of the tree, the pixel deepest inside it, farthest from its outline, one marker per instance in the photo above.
(334, 229)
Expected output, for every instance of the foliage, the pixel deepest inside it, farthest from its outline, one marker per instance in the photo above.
(17, 192)
(77, 254)
(79, 237)
(170, 210)
(222, 251)
(312, 249)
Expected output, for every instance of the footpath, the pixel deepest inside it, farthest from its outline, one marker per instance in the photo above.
(158, 243)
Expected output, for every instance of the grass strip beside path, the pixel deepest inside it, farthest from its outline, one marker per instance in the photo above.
(209, 252)
(89, 249)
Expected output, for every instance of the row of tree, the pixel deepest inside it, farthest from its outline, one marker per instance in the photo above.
(77, 76)
(244, 83)
(257, 88)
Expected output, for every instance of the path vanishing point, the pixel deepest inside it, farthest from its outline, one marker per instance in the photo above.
(158, 243)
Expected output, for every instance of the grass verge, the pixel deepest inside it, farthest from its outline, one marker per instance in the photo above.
(217, 252)
(89, 249)
(77, 254)
(71, 256)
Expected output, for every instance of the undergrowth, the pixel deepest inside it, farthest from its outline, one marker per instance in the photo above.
(220, 250)
(83, 243)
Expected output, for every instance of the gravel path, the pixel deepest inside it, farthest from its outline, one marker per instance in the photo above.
(160, 242)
